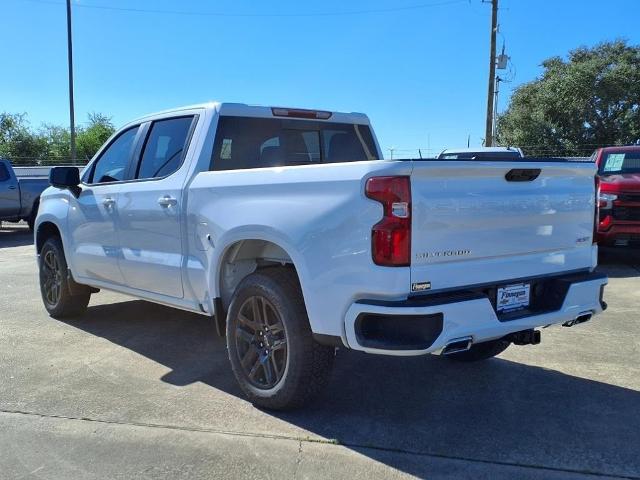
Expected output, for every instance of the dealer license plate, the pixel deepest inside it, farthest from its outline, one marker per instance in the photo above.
(511, 297)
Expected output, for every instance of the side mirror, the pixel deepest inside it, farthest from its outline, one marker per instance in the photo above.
(65, 177)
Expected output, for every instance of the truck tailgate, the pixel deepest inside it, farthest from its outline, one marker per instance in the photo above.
(470, 225)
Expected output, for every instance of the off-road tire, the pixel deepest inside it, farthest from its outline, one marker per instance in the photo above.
(481, 351)
(63, 304)
(308, 364)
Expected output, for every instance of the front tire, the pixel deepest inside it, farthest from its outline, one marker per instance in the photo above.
(54, 283)
(481, 351)
(273, 355)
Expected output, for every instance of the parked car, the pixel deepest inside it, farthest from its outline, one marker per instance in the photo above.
(481, 153)
(285, 226)
(619, 174)
(19, 197)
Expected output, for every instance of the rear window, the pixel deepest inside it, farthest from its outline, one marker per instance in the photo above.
(620, 163)
(243, 143)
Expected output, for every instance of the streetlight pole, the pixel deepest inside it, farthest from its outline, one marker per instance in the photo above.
(72, 123)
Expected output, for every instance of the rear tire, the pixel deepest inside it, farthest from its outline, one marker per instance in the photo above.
(31, 221)
(481, 351)
(54, 283)
(273, 355)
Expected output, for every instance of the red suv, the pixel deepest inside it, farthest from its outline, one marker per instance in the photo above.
(619, 173)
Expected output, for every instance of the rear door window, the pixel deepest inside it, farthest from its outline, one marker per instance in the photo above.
(243, 143)
(165, 147)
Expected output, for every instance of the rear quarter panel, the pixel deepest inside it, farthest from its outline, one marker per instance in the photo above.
(30, 191)
(318, 214)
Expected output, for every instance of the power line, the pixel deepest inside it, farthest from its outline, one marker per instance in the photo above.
(227, 14)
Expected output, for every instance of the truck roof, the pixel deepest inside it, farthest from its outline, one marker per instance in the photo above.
(261, 111)
(482, 149)
(621, 148)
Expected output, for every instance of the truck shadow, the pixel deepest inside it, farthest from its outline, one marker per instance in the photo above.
(15, 235)
(497, 411)
(619, 262)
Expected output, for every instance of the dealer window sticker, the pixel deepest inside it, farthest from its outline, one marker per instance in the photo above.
(614, 162)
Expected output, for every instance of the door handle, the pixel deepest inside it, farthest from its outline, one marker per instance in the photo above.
(108, 202)
(12, 187)
(167, 201)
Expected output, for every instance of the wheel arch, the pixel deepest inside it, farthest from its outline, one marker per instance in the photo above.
(46, 230)
(242, 257)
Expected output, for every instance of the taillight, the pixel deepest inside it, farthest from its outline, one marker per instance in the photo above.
(391, 236)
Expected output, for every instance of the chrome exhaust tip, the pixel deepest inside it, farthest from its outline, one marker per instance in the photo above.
(457, 345)
(583, 317)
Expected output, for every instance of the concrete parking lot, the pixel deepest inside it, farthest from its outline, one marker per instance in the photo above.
(136, 390)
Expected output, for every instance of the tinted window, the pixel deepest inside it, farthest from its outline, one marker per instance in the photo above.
(616, 163)
(269, 142)
(112, 164)
(164, 148)
(4, 174)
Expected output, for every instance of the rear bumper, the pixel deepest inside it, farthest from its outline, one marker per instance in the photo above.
(427, 324)
(619, 233)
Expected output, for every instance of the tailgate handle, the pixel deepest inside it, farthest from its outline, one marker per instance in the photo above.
(522, 174)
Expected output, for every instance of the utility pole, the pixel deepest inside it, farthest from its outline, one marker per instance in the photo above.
(492, 75)
(70, 62)
(495, 106)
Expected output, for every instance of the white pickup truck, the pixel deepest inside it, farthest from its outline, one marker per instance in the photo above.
(287, 227)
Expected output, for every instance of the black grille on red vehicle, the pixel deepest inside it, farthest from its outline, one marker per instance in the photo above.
(627, 197)
(629, 214)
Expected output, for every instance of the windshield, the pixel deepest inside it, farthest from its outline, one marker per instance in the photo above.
(618, 163)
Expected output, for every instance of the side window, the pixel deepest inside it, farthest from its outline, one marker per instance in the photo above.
(112, 164)
(4, 174)
(165, 147)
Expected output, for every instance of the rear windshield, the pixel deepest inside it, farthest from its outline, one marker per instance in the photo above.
(243, 142)
(620, 163)
(480, 156)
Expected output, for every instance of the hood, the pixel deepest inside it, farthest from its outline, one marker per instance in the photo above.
(622, 182)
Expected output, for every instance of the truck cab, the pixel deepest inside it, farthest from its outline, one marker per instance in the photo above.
(619, 199)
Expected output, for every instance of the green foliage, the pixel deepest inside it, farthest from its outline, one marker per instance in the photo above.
(590, 100)
(51, 144)
(90, 138)
(17, 142)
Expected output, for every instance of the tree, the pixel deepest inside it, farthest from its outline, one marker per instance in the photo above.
(51, 144)
(57, 142)
(17, 142)
(590, 100)
(90, 138)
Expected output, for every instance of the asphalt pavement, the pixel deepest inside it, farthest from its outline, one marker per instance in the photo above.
(137, 390)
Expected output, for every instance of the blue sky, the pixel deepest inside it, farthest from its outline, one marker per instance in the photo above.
(419, 73)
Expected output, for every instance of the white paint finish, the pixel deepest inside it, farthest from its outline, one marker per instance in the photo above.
(319, 216)
(150, 236)
(93, 246)
(477, 319)
(472, 226)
